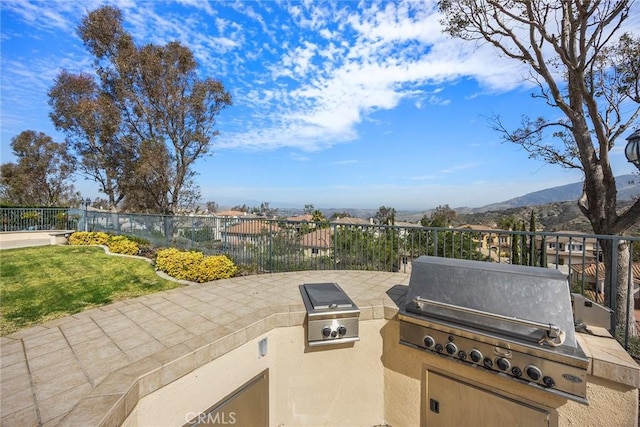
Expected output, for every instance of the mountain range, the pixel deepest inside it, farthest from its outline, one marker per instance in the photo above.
(628, 189)
(555, 208)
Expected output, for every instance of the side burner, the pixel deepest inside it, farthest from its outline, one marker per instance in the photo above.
(332, 317)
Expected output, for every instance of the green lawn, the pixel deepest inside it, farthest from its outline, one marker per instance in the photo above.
(45, 283)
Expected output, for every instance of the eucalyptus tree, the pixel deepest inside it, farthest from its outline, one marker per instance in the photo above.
(146, 118)
(93, 125)
(585, 69)
(42, 173)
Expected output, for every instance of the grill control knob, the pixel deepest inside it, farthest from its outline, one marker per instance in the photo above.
(439, 348)
(517, 372)
(503, 364)
(342, 330)
(462, 355)
(548, 382)
(451, 348)
(326, 331)
(488, 363)
(533, 372)
(429, 341)
(475, 355)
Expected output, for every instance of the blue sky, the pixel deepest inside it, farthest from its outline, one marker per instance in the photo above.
(342, 105)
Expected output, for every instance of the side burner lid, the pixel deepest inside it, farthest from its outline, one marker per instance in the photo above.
(327, 295)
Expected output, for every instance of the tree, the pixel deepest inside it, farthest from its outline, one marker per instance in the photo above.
(507, 222)
(319, 218)
(265, 210)
(444, 243)
(588, 74)
(93, 125)
(212, 207)
(149, 114)
(338, 215)
(42, 173)
(366, 248)
(386, 215)
(516, 253)
(443, 216)
(241, 208)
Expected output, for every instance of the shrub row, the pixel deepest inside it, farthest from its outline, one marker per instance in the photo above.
(184, 265)
(116, 244)
(194, 266)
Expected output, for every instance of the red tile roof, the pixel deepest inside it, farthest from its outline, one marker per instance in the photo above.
(231, 213)
(305, 217)
(590, 270)
(252, 228)
(320, 238)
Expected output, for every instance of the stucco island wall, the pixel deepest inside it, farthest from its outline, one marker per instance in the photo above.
(308, 386)
(375, 381)
(612, 384)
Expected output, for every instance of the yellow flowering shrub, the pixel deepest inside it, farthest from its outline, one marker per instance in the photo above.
(116, 244)
(88, 238)
(194, 266)
(122, 245)
(214, 268)
(178, 264)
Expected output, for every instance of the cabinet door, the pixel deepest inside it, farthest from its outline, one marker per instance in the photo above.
(451, 402)
(248, 406)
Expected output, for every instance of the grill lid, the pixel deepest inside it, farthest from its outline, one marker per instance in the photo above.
(528, 303)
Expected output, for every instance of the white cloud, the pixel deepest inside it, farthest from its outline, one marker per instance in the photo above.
(385, 53)
(198, 4)
(460, 167)
(308, 73)
(345, 162)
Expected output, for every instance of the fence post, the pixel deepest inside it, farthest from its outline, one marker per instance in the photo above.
(271, 246)
(335, 246)
(435, 242)
(613, 285)
(193, 232)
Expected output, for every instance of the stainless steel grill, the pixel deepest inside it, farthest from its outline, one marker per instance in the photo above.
(508, 319)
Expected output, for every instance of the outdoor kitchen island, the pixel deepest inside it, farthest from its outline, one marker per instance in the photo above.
(373, 381)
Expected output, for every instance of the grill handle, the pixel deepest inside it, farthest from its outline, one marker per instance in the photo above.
(554, 335)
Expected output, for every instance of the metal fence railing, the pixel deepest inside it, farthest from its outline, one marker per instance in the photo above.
(32, 219)
(259, 245)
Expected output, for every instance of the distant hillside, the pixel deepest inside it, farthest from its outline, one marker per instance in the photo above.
(628, 189)
(555, 208)
(559, 216)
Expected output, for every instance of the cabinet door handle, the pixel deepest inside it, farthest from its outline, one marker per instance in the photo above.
(434, 406)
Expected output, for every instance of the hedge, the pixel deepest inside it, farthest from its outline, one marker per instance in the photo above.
(116, 244)
(194, 266)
